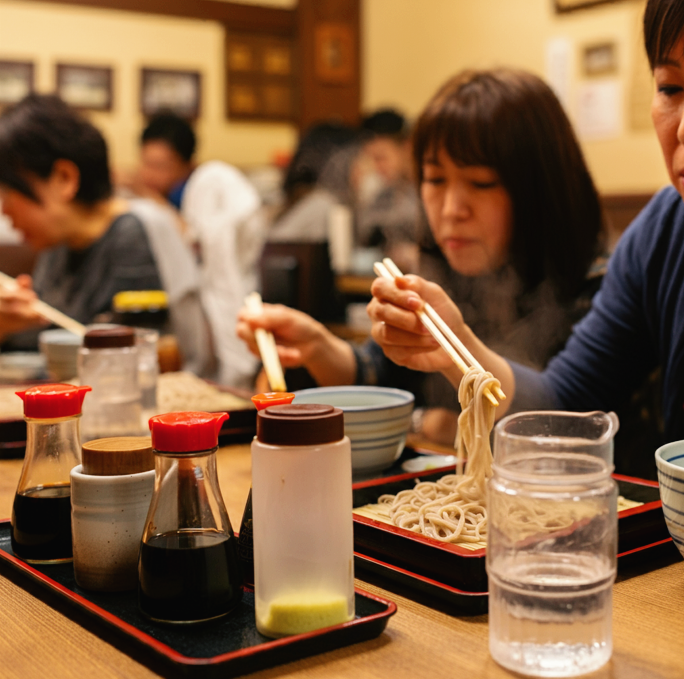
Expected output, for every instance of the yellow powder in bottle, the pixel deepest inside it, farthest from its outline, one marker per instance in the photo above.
(301, 612)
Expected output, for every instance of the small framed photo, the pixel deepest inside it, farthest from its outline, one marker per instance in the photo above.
(16, 81)
(600, 59)
(179, 92)
(334, 55)
(88, 87)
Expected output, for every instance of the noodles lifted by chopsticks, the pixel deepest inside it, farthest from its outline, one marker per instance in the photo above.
(452, 509)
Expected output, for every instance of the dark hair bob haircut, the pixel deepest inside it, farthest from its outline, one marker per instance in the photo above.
(41, 129)
(511, 121)
(663, 25)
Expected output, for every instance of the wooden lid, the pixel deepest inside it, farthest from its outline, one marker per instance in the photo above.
(118, 456)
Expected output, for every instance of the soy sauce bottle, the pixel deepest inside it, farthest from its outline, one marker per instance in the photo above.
(188, 570)
(41, 513)
(246, 534)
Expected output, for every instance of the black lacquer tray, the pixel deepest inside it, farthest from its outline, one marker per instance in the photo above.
(463, 569)
(419, 588)
(228, 647)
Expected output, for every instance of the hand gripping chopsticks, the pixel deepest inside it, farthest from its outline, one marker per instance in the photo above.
(267, 347)
(444, 335)
(45, 310)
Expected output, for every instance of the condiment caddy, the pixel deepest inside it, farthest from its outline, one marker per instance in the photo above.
(188, 568)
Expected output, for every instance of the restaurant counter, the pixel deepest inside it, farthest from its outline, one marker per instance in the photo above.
(648, 617)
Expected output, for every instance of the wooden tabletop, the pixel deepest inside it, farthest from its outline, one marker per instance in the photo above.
(648, 625)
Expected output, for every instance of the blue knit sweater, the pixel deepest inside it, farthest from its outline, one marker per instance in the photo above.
(636, 324)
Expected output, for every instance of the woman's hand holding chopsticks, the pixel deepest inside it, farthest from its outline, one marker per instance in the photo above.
(399, 331)
(405, 340)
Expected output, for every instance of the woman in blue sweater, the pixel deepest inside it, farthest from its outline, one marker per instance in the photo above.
(637, 319)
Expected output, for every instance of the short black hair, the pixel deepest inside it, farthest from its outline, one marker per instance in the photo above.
(42, 129)
(385, 122)
(663, 25)
(175, 131)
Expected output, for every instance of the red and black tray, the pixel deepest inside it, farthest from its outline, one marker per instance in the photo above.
(228, 647)
(393, 550)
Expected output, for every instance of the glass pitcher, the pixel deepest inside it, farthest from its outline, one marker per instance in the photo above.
(552, 542)
(188, 568)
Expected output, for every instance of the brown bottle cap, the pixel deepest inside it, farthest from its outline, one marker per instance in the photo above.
(109, 338)
(117, 456)
(300, 425)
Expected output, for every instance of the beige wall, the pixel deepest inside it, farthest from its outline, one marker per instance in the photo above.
(47, 33)
(412, 46)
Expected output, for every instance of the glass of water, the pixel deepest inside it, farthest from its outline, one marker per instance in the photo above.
(552, 542)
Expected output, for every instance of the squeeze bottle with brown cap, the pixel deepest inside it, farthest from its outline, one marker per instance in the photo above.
(108, 362)
(41, 514)
(189, 570)
(246, 535)
(110, 498)
(302, 513)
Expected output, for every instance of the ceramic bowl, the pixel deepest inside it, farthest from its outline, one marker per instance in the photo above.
(670, 463)
(376, 420)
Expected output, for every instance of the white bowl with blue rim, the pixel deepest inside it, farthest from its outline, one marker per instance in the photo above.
(376, 420)
(670, 463)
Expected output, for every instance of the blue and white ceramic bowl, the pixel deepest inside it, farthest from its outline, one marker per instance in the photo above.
(376, 420)
(670, 463)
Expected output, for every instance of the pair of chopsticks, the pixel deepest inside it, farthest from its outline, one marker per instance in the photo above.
(267, 347)
(45, 310)
(444, 335)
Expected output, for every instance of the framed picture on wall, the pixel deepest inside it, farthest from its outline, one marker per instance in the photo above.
(260, 77)
(177, 91)
(334, 53)
(88, 87)
(16, 81)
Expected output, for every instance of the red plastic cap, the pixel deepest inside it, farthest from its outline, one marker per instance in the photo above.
(186, 432)
(49, 401)
(272, 398)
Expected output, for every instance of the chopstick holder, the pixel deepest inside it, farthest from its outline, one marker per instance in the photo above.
(441, 332)
(267, 347)
(45, 310)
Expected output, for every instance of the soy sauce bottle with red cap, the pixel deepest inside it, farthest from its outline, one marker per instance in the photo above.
(188, 570)
(41, 513)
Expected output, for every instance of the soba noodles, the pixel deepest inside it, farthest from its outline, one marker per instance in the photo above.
(452, 509)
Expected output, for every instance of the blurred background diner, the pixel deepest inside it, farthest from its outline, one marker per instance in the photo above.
(267, 145)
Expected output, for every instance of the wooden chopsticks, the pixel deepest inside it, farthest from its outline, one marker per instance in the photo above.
(45, 310)
(444, 335)
(267, 347)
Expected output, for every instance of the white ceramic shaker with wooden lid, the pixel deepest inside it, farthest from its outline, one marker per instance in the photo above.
(110, 496)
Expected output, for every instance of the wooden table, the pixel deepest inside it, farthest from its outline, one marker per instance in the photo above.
(648, 617)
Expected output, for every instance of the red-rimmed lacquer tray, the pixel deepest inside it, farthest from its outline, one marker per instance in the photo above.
(228, 647)
(462, 569)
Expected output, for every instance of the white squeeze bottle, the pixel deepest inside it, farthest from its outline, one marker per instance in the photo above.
(302, 519)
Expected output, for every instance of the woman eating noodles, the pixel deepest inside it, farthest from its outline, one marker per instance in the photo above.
(637, 319)
(514, 224)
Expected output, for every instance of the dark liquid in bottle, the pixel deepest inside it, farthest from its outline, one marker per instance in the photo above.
(41, 524)
(246, 543)
(189, 576)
